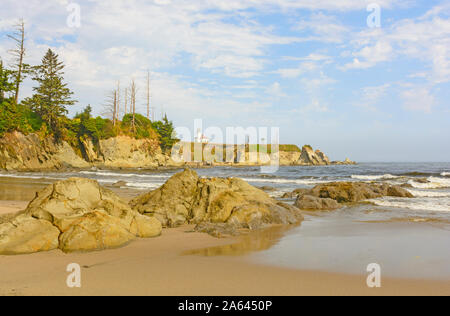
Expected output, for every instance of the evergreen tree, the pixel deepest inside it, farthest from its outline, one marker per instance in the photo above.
(6, 85)
(52, 95)
(165, 130)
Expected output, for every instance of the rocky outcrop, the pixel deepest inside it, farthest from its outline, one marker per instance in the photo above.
(347, 161)
(75, 215)
(308, 202)
(23, 153)
(348, 192)
(187, 198)
(330, 196)
(289, 158)
(125, 152)
(309, 157)
(31, 153)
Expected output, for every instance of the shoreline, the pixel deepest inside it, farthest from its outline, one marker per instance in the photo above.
(159, 267)
(176, 264)
(181, 262)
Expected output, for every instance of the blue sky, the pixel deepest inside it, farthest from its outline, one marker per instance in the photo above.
(313, 68)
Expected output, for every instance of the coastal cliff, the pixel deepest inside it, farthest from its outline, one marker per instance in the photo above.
(25, 153)
(19, 152)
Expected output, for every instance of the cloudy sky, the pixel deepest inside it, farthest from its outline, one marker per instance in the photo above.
(314, 68)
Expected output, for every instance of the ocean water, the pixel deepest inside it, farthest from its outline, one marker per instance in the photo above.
(428, 182)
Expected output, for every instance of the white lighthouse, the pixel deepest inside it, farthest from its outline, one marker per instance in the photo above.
(200, 138)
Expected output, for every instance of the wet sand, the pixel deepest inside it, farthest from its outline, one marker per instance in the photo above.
(158, 267)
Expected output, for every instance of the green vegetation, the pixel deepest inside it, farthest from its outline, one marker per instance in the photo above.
(165, 130)
(51, 95)
(45, 113)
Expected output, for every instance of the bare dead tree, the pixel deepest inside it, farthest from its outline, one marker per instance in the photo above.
(18, 53)
(133, 94)
(111, 106)
(118, 101)
(126, 101)
(115, 109)
(148, 94)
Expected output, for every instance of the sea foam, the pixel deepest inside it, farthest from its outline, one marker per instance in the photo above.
(418, 204)
(434, 183)
(373, 177)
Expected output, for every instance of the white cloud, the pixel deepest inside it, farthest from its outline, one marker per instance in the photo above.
(371, 95)
(314, 106)
(310, 63)
(426, 38)
(369, 56)
(418, 99)
(323, 28)
(275, 90)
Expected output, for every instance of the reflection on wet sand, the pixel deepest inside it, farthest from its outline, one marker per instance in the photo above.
(19, 189)
(254, 241)
(430, 220)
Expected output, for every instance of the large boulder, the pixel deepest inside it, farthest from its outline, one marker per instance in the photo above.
(311, 157)
(75, 215)
(329, 196)
(312, 203)
(25, 234)
(347, 192)
(187, 198)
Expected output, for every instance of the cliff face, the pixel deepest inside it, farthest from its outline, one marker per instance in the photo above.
(125, 152)
(30, 153)
(309, 157)
(22, 153)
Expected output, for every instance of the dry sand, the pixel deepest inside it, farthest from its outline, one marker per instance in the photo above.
(160, 266)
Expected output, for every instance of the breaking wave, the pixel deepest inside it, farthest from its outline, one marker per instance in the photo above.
(418, 204)
(433, 183)
(373, 177)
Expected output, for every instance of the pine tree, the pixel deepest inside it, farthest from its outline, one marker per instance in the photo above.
(6, 86)
(165, 131)
(52, 95)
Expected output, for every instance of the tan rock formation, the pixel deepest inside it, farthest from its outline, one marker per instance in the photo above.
(75, 215)
(186, 198)
(308, 202)
(311, 157)
(22, 153)
(328, 196)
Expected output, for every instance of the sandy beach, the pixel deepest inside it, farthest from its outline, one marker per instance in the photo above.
(172, 265)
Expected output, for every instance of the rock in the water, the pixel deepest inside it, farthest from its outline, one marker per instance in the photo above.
(187, 198)
(328, 196)
(119, 184)
(295, 193)
(75, 215)
(268, 189)
(347, 192)
(308, 202)
(311, 157)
